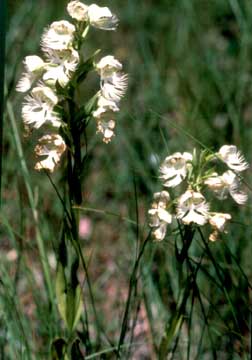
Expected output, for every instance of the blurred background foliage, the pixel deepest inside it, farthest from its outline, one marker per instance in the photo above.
(189, 65)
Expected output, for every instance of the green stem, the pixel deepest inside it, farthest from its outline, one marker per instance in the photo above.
(187, 238)
(77, 168)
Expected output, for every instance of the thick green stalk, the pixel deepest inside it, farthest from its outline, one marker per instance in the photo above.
(75, 198)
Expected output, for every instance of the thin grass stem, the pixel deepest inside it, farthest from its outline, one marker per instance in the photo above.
(132, 283)
(220, 278)
(2, 77)
(189, 327)
(206, 322)
(105, 212)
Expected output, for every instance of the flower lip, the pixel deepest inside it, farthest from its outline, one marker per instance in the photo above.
(233, 158)
(227, 183)
(192, 208)
(38, 107)
(61, 66)
(114, 87)
(174, 169)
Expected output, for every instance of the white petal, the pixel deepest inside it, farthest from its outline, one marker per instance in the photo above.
(192, 208)
(174, 169)
(51, 146)
(104, 105)
(25, 82)
(187, 156)
(239, 196)
(114, 87)
(165, 216)
(59, 36)
(38, 107)
(160, 232)
(154, 220)
(193, 217)
(33, 63)
(77, 10)
(102, 18)
(61, 66)
(233, 158)
(107, 65)
(218, 220)
(173, 181)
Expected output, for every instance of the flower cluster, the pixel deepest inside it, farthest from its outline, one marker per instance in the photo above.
(50, 78)
(113, 85)
(195, 176)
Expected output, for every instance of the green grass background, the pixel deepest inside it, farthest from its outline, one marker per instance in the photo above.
(189, 65)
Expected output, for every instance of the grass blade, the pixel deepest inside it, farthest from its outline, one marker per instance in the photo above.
(41, 247)
(2, 71)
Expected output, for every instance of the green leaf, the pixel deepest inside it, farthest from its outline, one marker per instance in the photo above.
(85, 68)
(61, 291)
(84, 113)
(69, 298)
(78, 305)
(65, 133)
(175, 322)
(60, 90)
(90, 105)
(170, 335)
(74, 305)
(85, 32)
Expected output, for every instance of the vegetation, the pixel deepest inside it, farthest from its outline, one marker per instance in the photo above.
(189, 66)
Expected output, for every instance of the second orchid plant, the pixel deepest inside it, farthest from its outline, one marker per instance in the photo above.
(197, 176)
(196, 181)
